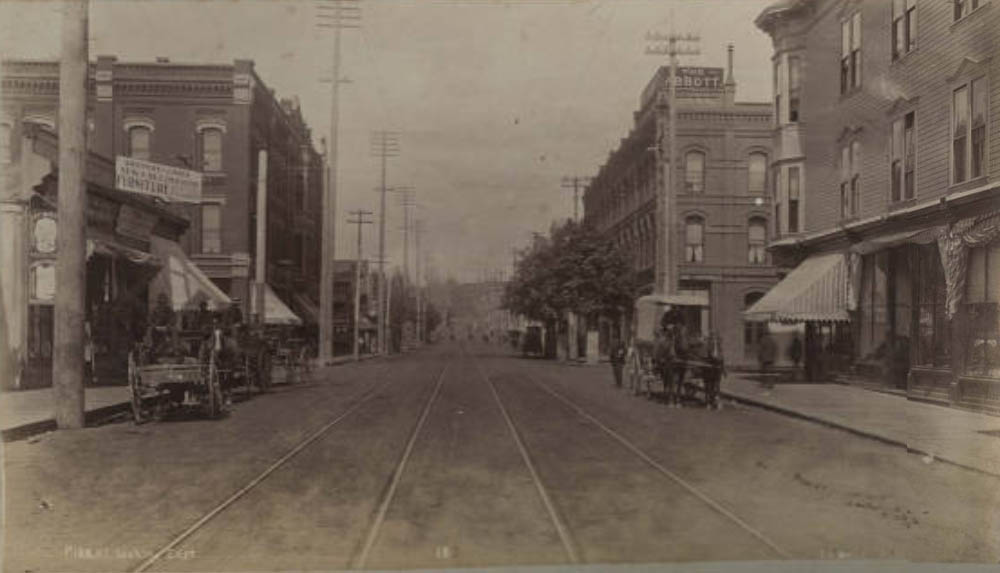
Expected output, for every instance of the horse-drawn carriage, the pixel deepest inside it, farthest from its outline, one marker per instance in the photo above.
(172, 369)
(667, 349)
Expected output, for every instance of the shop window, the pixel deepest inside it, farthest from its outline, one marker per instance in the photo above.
(694, 243)
(968, 141)
(211, 228)
(139, 142)
(904, 27)
(850, 54)
(211, 149)
(757, 173)
(903, 158)
(757, 240)
(933, 331)
(5, 145)
(753, 331)
(694, 172)
(983, 318)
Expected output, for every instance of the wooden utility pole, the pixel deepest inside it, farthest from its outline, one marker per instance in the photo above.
(260, 257)
(576, 183)
(336, 15)
(408, 201)
(71, 262)
(666, 198)
(385, 144)
(417, 231)
(359, 220)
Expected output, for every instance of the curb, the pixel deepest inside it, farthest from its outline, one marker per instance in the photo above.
(856, 431)
(93, 417)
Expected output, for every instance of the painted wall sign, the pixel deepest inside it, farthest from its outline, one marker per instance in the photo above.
(691, 82)
(171, 184)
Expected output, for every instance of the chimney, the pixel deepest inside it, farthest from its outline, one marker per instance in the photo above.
(730, 80)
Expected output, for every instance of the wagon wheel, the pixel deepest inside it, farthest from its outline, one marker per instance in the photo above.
(213, 388)
(134, 383)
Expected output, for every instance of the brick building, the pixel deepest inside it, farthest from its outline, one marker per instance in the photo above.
(889, 114)
(723, 149)
(209, 118)
(345, 283)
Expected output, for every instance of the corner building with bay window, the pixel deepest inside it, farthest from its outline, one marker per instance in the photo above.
(724, 213)
(889, 115)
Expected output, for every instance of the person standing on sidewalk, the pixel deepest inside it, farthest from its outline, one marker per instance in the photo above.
(766, 351)
(618, 361)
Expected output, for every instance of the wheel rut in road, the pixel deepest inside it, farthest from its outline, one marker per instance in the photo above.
(619, 503)
(310, 511)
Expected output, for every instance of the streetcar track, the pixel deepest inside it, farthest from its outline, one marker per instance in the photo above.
(359, 398)
(362, 559)
(564, 534)
(660, 468)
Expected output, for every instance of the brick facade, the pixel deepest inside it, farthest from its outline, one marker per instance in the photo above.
(621, 200)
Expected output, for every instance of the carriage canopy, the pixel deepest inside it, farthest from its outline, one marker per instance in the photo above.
(649, 309)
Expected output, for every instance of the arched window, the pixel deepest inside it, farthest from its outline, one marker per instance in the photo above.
(694, 172)
(757, 173)
(211, 149)
(694, 239)
(752, 330)
(138, 142)
(757, 240)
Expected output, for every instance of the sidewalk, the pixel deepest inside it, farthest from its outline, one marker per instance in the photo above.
(27, 412)
(948, 434)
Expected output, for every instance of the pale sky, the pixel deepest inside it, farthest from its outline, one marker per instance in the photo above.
(494, 101)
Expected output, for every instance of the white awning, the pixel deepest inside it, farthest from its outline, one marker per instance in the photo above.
(275, 310)
(184, 284)
(816, 291)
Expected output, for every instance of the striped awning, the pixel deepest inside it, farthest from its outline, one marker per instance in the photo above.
(816, 291)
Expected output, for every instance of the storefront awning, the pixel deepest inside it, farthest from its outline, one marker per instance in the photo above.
(275, 310)
(816, 291)
(113, 249)
(185, 285)
(918, 237)
(308, 310)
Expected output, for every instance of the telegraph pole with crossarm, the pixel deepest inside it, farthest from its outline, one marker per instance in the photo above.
(360, 219)
(576, 183)
(385, 144)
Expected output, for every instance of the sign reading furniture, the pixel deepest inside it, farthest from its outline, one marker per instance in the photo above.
(171, 184)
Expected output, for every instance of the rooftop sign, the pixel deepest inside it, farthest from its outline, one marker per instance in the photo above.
(171, 184)
(691, 82)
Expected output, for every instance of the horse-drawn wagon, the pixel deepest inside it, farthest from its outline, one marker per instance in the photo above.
(667, 349)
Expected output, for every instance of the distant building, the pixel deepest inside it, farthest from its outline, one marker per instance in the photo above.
(344, 285)
(212, 118)
(888, 114)
(721, 183)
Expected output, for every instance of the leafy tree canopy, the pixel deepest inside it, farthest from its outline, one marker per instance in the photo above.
(575, 269)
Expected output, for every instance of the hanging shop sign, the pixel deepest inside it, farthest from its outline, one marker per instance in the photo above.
(171, 184)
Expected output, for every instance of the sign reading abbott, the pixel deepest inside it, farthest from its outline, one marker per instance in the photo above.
(163, 181)
(691, 83)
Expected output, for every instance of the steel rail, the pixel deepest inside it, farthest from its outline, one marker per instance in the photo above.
(638, 452)
(561, 529)
(362, 397)
(362, 559)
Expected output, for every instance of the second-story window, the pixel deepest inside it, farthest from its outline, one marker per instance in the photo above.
(964, 7)
(211, 149)
(850, 179)
(777, 92)
(211, 228)
(757, 240)
(968, 146)
(694, 240)
(694, 172)
(793, 199)
(904, 27)
(138, 142)
(757, 173)
(850, 53)
(903, 158)
(794, 71)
